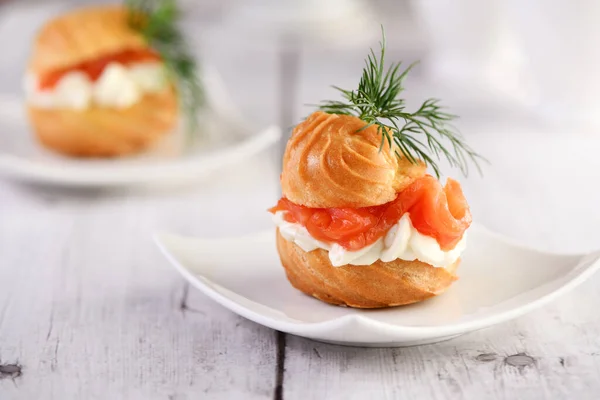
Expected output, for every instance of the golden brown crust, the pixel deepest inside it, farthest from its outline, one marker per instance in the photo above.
(378, 285)
(105, 132)
(82, 35)
(327, 163)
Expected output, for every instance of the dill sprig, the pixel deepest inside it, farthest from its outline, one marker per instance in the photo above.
(157, 22)
(425, 134)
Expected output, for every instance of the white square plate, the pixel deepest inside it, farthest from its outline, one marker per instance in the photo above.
(498, 281)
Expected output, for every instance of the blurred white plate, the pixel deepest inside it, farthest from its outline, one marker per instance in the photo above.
(226, 138)
(498, 281)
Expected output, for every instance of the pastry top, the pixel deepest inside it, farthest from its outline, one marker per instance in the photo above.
(82, 35)
(328, 162)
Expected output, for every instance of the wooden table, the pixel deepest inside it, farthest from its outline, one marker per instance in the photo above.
(90, 310)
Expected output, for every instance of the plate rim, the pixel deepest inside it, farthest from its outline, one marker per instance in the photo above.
(160, 171)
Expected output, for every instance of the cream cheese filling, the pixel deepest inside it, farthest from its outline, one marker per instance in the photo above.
(118, 87)
(402, 241)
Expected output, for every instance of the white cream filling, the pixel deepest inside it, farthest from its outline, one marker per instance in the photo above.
(118, 86)
(402, 241)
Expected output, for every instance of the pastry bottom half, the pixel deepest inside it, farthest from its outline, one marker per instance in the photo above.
(106, 132)
(382, 284)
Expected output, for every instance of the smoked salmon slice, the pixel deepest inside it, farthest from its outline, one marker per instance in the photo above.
(436, 211)
(93, 68)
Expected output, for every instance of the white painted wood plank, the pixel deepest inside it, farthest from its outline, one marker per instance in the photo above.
(89, 309)
(540, 190)
(561, 339)
(539, 201)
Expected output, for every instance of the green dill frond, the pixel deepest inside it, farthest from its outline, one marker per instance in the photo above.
(426, 134)
(157, 22)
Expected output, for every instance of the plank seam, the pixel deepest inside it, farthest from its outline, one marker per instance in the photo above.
(279, 366)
